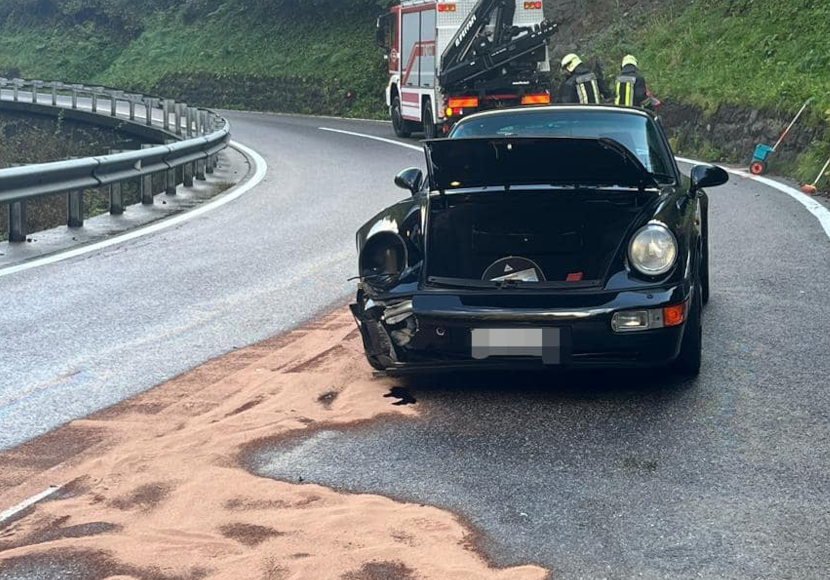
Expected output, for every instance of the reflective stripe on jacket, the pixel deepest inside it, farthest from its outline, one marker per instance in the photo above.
(625, 90)
(587, 89)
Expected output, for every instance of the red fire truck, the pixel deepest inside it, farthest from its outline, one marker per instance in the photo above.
(450, 58)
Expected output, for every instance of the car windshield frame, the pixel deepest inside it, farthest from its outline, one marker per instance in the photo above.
(653, 151)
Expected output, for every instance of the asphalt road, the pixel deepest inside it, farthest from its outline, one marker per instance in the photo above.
(83, 334)
(595, 476)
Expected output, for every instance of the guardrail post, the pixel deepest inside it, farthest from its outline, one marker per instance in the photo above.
(116, 198)
(179, 107)
(114, 96)
(75, 209)
(55, 95)
(170, 181)
(35, 86)
(74, 98)
(146, 184)
(187, 174)
(149, 106)
(165, 105)
(96, 91)
(200, 170)
(116, 193)
(192, 125)
(17, 221)
(15, 90)
(132, 109)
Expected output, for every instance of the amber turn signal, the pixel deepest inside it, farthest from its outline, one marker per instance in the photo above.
(675, 315)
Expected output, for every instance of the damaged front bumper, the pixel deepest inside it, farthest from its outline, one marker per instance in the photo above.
(430, 331)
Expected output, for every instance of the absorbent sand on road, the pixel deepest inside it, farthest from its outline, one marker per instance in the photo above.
(156, 487)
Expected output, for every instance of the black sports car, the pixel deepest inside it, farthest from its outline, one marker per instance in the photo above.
(555, 236)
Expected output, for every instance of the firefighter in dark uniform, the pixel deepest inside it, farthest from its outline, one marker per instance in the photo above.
(631, 86)
(582, 85)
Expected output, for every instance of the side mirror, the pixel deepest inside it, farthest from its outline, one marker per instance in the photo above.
(410, 179)
(708, 176)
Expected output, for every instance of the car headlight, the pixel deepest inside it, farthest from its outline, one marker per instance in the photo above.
(383, 260)
(653, 250)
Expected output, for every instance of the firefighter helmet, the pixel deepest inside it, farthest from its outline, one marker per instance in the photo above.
(570, 62)
(629, 59)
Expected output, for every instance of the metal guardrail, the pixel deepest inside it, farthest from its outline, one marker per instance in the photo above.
(195, 136)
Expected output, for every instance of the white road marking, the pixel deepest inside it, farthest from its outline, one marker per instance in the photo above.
(821, 213)
(14, 510)
(259, 175)
(817, 209)
(373, 138)
(305, 116)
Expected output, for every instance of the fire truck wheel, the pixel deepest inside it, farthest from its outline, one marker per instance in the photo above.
(399, 124)
(429, 124)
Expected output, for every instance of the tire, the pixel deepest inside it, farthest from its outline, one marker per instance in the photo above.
(688, 361)
(399, 124)
(758, 168)
(428, 122)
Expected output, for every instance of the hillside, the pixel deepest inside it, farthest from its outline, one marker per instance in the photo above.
(278, 55)
(719, 63)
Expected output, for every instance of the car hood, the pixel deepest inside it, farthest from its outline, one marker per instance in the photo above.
(480, 162)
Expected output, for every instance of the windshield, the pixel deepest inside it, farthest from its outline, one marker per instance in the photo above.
(635, 132)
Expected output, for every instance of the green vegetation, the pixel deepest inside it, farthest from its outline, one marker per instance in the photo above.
(754, 53)
(318, 56)
(325, 46)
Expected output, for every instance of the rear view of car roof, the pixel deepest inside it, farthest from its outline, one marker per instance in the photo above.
(552, 108)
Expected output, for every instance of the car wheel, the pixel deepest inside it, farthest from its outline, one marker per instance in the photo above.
(688, 362)
(399, 124)
(428, 122)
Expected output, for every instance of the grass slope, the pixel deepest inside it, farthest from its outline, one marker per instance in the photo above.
(755, 53)
(333, 49)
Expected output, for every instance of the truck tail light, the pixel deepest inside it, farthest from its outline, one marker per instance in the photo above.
(536, 5)
(536, 99)
(463, 102)
(451, 7)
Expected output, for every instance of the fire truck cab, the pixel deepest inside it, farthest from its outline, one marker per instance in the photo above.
(450, 58)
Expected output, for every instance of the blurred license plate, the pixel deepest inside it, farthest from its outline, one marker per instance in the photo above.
(545, 343)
